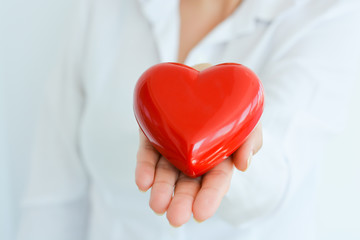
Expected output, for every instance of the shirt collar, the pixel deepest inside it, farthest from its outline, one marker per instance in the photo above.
(267, 10)
(158, 11)
(242, 21)
(250, 12)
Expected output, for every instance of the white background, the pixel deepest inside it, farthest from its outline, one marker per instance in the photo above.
(31, 33)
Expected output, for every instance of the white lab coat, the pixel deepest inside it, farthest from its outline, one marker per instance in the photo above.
(81, 184)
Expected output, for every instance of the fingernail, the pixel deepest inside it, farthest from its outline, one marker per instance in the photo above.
(159, 214)
(142, 190)
(197, 220)
(249, 160)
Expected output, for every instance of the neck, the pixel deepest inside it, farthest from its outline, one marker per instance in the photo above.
(221, 8)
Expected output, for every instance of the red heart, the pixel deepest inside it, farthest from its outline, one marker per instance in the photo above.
(197, 119)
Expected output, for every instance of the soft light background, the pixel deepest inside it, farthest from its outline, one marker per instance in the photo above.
(31, 36)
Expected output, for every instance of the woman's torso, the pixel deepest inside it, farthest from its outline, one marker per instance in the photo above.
(122, 43)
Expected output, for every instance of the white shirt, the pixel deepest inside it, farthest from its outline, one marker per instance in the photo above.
(82, 176)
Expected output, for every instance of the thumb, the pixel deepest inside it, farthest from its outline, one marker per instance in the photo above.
(201, 66)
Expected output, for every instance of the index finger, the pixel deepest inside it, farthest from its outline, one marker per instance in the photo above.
(147, 158)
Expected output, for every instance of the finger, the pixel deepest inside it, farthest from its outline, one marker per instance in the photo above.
(201, 66)
(180, 209)
(147, 158)
(163, 186)
(215, 184)
(242, 156)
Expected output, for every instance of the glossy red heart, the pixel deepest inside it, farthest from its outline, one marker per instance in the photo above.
(197, 119)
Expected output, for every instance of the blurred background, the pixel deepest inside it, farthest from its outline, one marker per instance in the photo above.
(31, 37)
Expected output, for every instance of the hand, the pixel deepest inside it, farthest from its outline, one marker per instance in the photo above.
(181, 196)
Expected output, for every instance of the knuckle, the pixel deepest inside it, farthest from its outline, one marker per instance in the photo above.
(185, 195)
(163, 184)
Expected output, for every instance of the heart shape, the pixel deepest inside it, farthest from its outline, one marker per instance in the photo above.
(197, 119)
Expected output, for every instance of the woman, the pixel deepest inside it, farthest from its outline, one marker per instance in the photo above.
(82, 185)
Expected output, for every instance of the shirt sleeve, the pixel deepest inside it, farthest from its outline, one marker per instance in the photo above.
(55, 200)
(307, 80)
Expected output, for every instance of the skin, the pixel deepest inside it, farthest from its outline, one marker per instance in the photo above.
(172, 192)
(198, 18)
